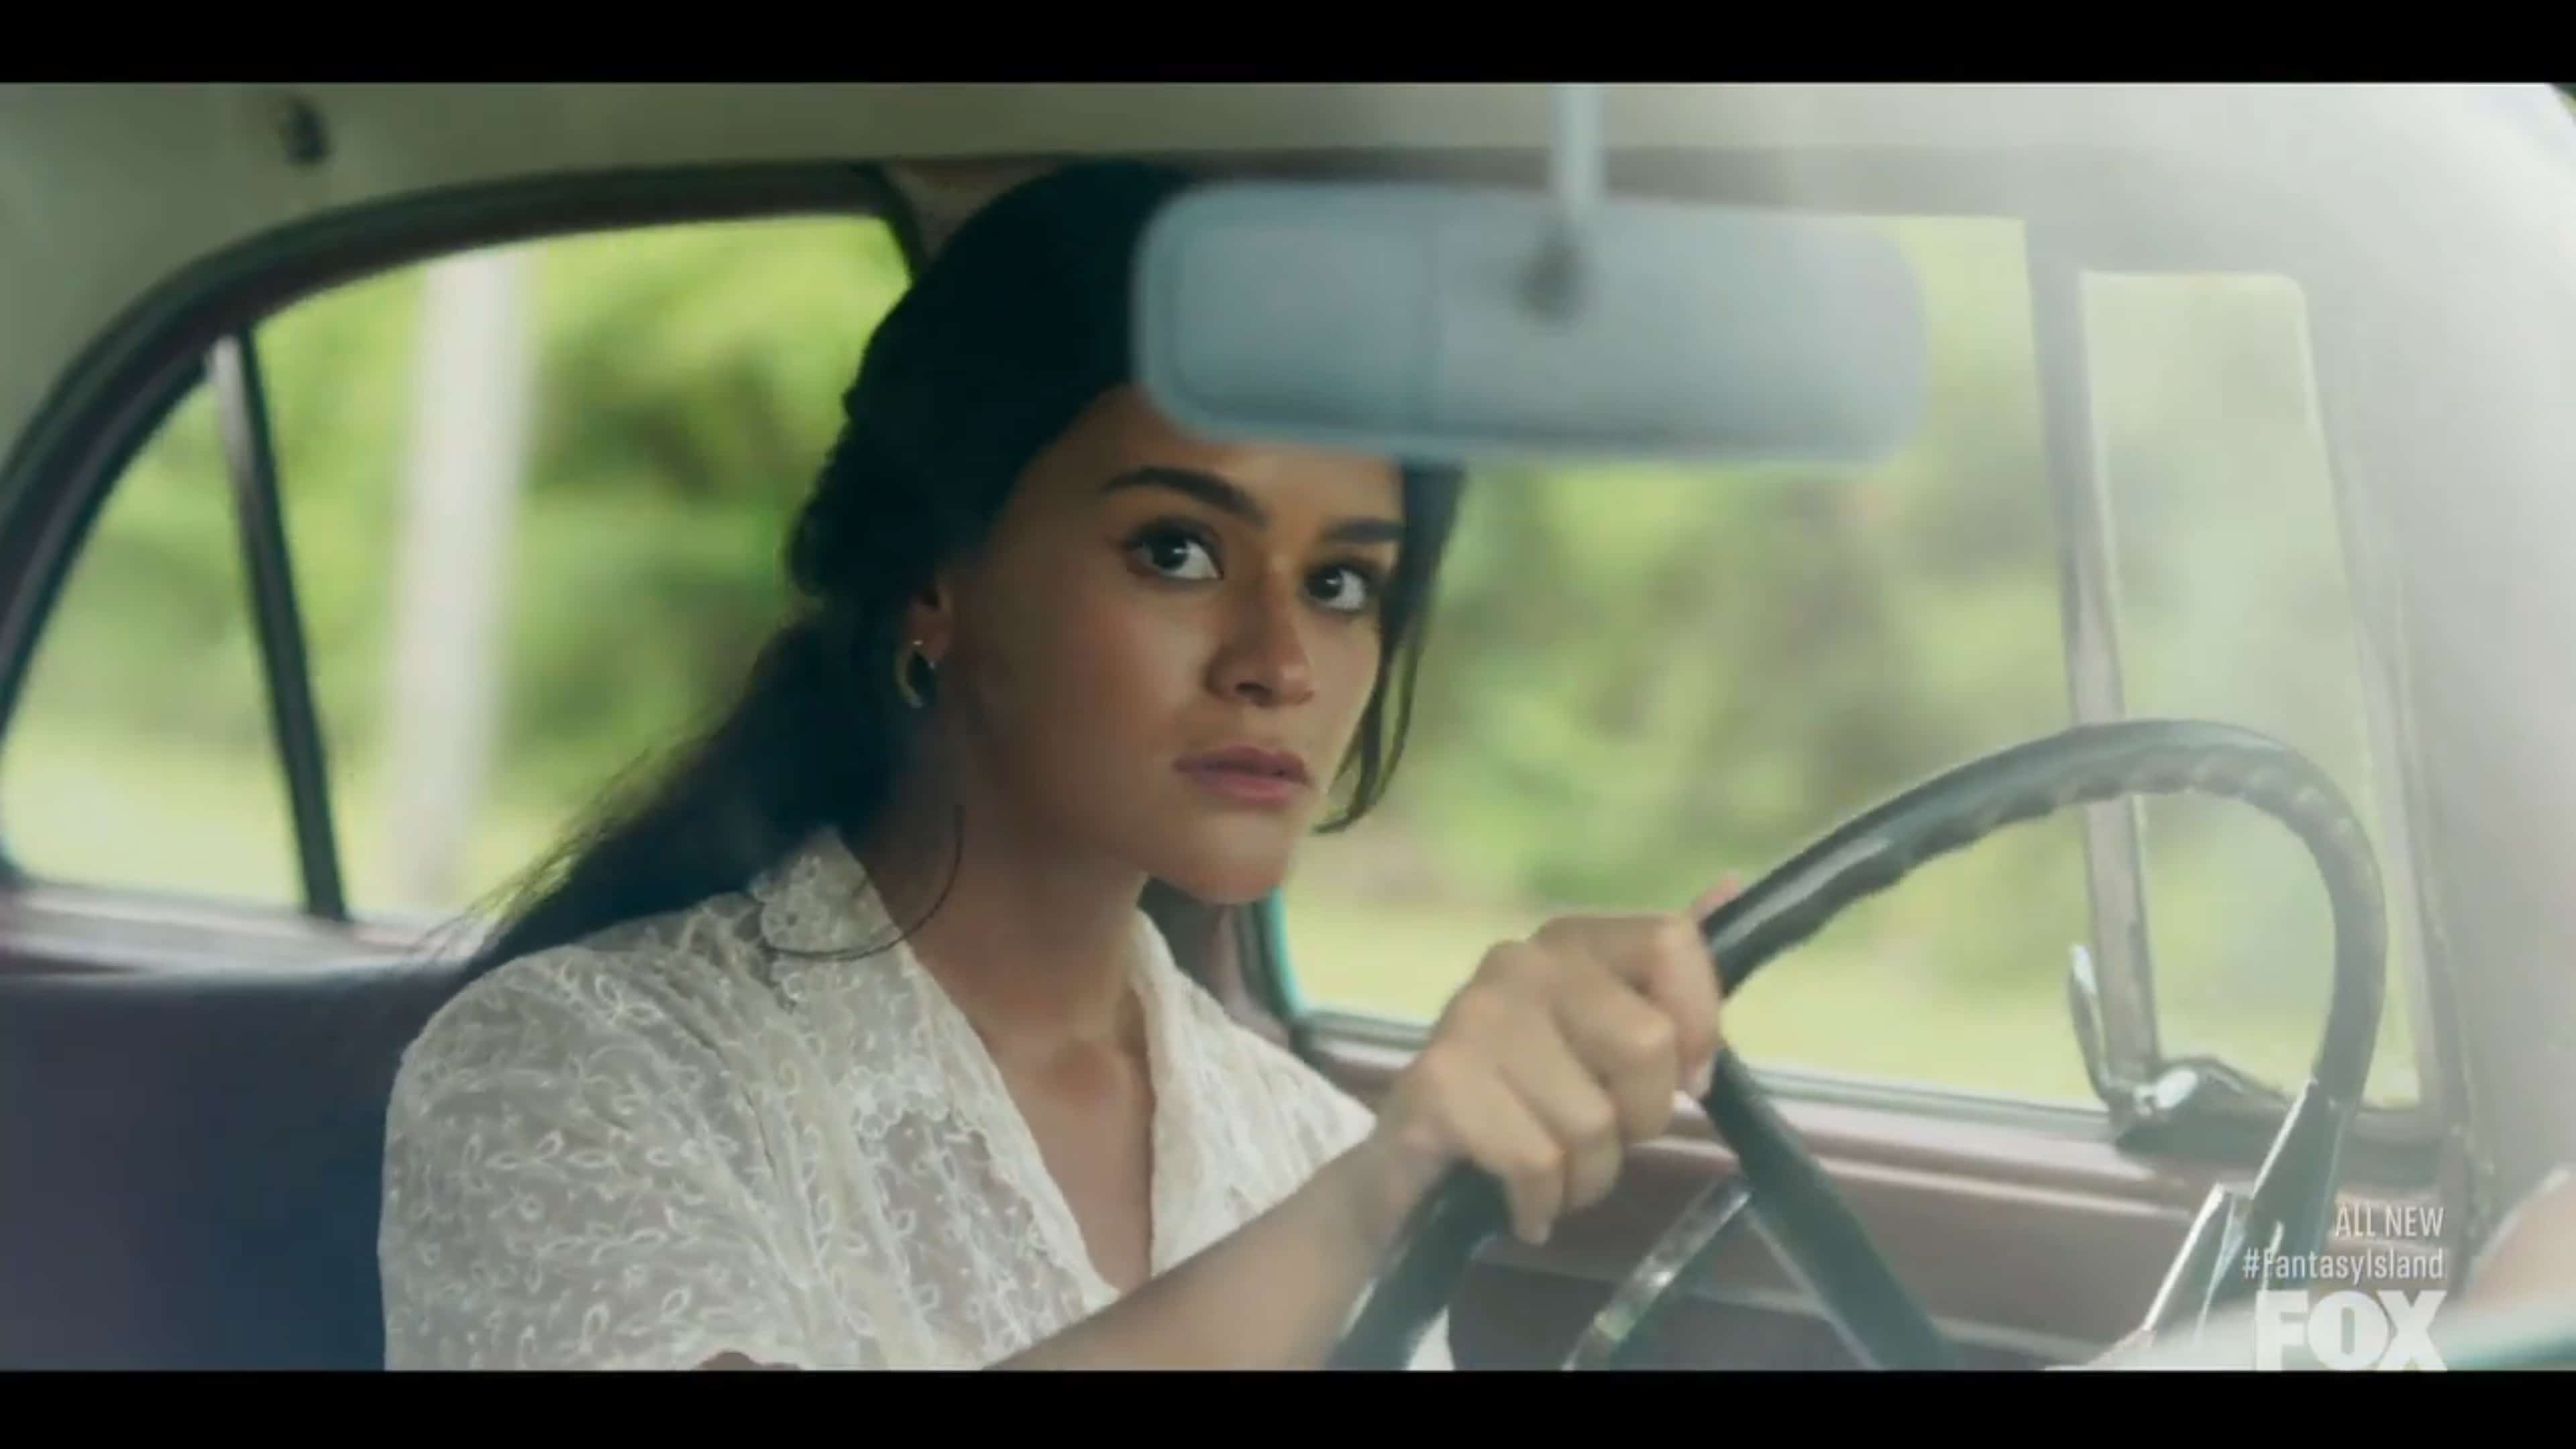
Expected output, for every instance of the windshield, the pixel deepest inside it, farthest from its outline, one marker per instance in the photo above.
(2198, 361)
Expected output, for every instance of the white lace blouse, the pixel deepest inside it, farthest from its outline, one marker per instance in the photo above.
(720, 1131)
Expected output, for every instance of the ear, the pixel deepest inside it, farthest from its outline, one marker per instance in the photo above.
(931, 617)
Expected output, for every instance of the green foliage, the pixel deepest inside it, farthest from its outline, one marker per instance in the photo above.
(1642, 674)
(1639, 677)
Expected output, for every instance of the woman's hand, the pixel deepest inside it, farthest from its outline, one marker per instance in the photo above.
(1562, 1053)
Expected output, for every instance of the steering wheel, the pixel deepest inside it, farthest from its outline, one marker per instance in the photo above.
(1792, 1199)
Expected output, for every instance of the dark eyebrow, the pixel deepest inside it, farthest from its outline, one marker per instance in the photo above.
(1217, 493)
(1365, 530)
(1207, 488)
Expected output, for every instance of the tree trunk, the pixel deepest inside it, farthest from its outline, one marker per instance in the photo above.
(467, 453)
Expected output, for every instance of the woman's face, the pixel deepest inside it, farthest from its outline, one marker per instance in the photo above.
(1164, 649)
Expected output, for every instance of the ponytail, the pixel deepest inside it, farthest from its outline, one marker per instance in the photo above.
(806, 747)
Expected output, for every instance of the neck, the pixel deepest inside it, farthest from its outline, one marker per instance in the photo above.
(1032, 940)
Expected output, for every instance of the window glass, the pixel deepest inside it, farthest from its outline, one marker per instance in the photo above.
(141, 755)
(2234, 605)
(1641, 679)
(534, 498)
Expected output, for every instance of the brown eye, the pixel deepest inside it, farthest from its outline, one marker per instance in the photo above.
(1345, 589)
(1174, 553)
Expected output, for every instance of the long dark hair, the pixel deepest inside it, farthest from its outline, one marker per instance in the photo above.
(1019, 324)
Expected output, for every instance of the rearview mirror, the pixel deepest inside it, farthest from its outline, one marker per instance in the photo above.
(1435, 323)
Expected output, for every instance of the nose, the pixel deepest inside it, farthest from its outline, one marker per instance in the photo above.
(1264, 659)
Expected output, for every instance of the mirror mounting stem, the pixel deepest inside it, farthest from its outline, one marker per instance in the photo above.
(1575, 165)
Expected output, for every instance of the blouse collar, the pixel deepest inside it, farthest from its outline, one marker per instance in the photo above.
(818, 901)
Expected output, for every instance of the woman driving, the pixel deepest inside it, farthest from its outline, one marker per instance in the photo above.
(848, 1043)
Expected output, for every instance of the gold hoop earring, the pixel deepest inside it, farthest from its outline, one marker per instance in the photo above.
(903, 685)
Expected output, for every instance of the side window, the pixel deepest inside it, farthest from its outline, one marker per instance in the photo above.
(1639, 680)
(2234, 604)
(140, 753)
(533, 499)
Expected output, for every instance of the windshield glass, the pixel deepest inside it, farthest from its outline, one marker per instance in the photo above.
(2176, 436)
(1646, 678)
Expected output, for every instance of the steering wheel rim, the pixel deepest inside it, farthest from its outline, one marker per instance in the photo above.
(1813, 1230)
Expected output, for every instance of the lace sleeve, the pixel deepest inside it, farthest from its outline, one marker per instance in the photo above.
(576, 1179)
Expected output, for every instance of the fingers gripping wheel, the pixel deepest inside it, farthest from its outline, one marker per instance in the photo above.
(1806, 1220)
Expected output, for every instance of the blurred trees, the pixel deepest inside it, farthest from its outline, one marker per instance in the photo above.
(1639, 677)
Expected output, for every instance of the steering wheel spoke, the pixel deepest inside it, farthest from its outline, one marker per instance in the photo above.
(1662, 1279)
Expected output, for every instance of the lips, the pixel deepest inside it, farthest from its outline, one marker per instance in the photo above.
(1251, 760)
(1249, 775)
